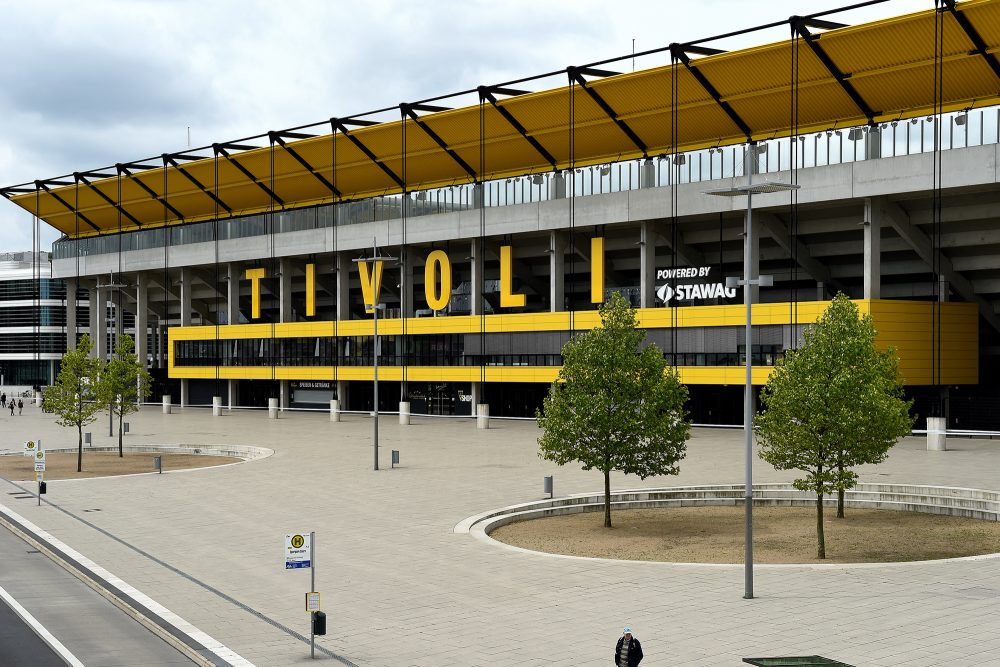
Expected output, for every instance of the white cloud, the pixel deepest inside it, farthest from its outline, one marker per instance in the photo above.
(88, 84)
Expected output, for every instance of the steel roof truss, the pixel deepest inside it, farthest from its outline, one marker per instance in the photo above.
(488, 94)
(152, 193)
(83, 179)
(279, 139)
(341, 125)
(220, 150)
(409, 111)
(170, 159)
(55, 195)
(811, 40)
(970, 31)
(679, 51)
(576, 75)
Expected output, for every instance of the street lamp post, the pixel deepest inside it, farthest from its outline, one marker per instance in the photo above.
(375, 306)
(748, 282)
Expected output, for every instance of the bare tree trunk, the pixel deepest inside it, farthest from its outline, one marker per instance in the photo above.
(820, 538)
(121, 453)
(79, 448)
(607, 498)
(840, 493)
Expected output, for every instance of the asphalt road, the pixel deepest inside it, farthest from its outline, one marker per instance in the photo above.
(20, 646)
(90, 627)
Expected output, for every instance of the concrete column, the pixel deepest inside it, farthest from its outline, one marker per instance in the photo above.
(404, 413)
(647, 265)
(101, 331)
(71, 313)
(233, 394)
(647, 174)
(477, 195)
(477, 396)
(873, 143)
(216, 406)
(406, 257)
(937, 440)
(557, 185)
(117, 301)
(557, 272)
(872, 266)
(942, 288)
(820, 291)
(187, 285)
(272, 408)
(166, 404)
(233, 293)
(344, 267)
(476, 288)
(283, 394)
(482, 416)
(342, 392)
(142, 319)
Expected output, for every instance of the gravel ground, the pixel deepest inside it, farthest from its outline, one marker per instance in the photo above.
(62, 465)
(781, 535)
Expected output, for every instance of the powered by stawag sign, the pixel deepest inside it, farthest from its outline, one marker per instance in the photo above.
(691, 291)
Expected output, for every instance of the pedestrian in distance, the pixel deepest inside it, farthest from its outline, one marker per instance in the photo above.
(12, 406)
(628, 652)
(20, 406)
(3, 400)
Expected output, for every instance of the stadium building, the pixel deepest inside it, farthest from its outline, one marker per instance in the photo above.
(490, 225)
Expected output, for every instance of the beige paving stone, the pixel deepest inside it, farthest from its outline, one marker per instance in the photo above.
(400, 588)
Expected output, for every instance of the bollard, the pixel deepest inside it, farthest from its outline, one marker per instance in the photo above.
(38, 398)
(272, 408)
(334, 410)
(395, 458)
(483, 415)
(547, 485)
(216, 406)
(937, 439)
(404, 413)
(158, 464)
(166, 404)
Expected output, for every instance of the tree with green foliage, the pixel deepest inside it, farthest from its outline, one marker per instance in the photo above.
(614, 406)
(124, 383)
(75, 398)
(835, 403)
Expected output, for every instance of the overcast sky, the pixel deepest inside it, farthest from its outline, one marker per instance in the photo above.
(90, 83)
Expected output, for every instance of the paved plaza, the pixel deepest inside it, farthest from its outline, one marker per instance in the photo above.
(401, 588)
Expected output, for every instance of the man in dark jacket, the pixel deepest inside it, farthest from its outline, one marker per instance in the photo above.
(628, 652)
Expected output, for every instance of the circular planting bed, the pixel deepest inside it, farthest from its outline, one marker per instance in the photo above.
(104, 461)
(884, 523)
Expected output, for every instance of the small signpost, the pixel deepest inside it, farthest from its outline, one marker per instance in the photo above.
(30, 447)
(39, 471)
(300, 552)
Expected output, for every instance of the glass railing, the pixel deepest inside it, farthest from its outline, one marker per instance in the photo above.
(831, 147)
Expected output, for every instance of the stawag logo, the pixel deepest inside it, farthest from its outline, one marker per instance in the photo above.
(690, 292)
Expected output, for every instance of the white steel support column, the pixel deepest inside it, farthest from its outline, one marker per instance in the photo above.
(344, 268)
(232, 317)
(557, 272)
(71, 285)
(872, 267)
(647, 265)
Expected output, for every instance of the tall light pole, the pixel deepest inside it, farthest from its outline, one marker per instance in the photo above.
(375, 306)
(749, 255)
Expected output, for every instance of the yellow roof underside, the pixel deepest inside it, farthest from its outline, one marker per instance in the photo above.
(890, 63)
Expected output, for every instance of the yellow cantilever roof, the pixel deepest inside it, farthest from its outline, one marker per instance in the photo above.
(873, 72)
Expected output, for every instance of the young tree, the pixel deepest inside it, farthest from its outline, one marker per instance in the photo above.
(613, 406)
(834, 403)
(74, 397)
(124, 383)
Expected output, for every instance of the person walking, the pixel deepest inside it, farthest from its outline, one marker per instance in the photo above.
(20, 406)
(12, 406)
(3, 400)
(628, 651)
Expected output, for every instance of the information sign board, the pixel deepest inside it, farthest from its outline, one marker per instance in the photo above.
(297, 551)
